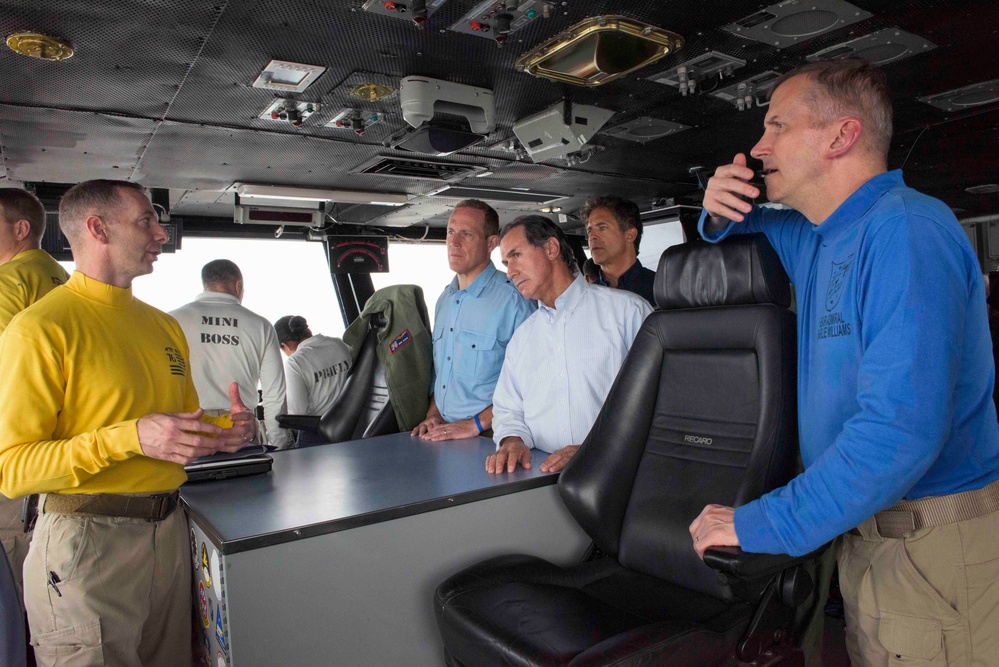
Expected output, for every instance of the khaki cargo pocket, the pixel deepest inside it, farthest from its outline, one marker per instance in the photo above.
(65, 545)
(911, 641)
(78, 646)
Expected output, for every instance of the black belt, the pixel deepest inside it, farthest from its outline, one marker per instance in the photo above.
(154, 507)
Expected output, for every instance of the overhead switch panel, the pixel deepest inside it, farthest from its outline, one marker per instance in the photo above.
(416, 11)
(497, 20)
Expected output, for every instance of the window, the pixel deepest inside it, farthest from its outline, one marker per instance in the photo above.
(281, 278)
(656, 237)
(423, 264)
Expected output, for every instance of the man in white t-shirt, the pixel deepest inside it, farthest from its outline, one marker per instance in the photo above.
(232, 343)
(317, 366)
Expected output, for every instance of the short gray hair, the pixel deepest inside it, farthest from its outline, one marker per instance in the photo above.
(850, 87)
(97, 197)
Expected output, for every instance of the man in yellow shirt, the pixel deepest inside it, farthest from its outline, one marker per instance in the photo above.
(98, 411)
(27, 273)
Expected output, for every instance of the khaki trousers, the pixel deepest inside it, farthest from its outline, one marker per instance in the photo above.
(810, 617)
(15, 541)
(120, 595)
(930, 598)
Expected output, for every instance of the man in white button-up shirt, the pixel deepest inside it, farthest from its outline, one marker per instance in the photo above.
(561, 362)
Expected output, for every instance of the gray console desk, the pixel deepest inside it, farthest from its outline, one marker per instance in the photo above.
(332, 558)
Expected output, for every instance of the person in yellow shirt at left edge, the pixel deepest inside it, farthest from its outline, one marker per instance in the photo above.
(99, 412)
(27, 273)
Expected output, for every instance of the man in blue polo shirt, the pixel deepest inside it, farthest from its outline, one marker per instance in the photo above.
(475, 318)
(896, 419)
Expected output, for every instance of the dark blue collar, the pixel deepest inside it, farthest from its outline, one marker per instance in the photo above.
(628, 280)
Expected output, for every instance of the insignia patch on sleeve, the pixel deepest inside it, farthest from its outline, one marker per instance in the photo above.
(402, 339)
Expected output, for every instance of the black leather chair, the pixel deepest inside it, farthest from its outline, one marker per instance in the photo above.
(362, 409)
(703, 411)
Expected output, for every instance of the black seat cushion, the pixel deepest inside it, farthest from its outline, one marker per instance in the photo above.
(540, 614)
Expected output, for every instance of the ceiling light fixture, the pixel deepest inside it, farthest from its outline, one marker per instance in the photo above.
(43, 47)
(371, 92)
(287, 76)
(513, 195)
(288, 193)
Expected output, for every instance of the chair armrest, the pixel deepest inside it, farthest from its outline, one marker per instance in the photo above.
(735, 562)
(299, 422)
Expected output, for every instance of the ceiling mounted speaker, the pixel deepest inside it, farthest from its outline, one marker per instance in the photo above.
(558, 130)
(788, 23)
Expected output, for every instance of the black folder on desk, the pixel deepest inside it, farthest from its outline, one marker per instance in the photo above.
(252, 460)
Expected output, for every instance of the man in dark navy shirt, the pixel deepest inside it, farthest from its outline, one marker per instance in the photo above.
(614, 232)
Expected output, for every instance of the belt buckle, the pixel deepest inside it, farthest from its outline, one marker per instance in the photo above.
(167, 503)
(896, 523)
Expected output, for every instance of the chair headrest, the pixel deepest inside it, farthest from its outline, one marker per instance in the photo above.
(740, 270)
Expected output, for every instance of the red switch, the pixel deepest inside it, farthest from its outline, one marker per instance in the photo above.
(475, 25)
(390, 6)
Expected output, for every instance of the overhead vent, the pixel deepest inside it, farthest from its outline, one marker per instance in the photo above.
(490, 194)
(399, 167)
(645, 129)
(974, 95)
(598, 50)
(881, 47)
(791, 22)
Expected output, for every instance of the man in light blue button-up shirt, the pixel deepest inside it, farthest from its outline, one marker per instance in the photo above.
(475, 318)
(562, 361)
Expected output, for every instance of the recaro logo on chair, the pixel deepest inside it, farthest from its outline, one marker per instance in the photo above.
(697, 440)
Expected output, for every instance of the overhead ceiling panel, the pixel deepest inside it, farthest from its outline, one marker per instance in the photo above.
(70, 146)
(786, 23)
(193, 62)
(881, 47)
(212, 158)
(130, 67)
